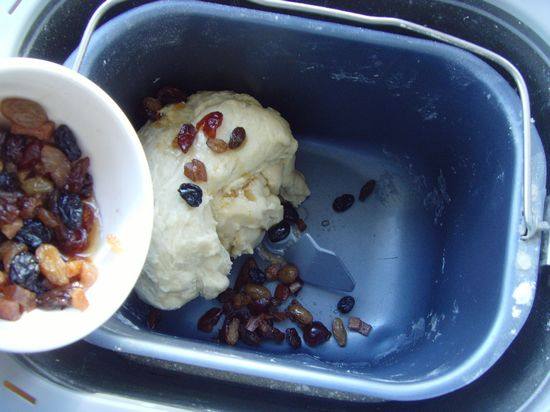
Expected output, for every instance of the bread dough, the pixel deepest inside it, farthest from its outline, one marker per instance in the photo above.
(190, 248)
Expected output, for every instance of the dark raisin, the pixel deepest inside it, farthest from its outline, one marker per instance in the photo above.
(293, 338)
(8, 182)
(77, 176)
(191, 193)
(207, 321)
(240, 300)
(88, 217)
(261, 305)
(358, 325)
(226, 295)
(31, 155)
(267, 331)
(70, 210)
(290, 213)
(271, 271)
(153, 318)
(24, 271)
(170, 95)
(210, 123)
(367, 190)
(256, 291)
(316, 333)
(8, 212)
(151, 107)
(237, 137)
(88, 187)
(33, 234)
(279, 316)
(343, 203)
(55, 299)
(248, 337)
(185, 137)
(278, 232)
(345, 305)
(256, 275)
(14, 146)
(244, 273)
(71, 241)
(66, 142)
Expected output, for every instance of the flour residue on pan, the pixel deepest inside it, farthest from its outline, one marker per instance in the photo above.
(438, 199)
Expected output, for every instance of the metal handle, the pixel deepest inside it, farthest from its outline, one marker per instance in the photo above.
(532, 226)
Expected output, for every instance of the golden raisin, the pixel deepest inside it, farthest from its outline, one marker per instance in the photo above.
(51, 264)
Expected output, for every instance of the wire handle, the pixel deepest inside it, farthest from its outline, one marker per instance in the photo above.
(532, 225)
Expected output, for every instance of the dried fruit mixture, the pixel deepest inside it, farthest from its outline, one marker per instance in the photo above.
(47, 214)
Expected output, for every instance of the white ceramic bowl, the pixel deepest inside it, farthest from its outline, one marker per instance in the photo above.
(123, 190)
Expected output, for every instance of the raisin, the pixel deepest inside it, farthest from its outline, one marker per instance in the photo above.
(257, 291)
(65, 140)
(261, 305)
(267, 331)
(76, 179)
(8, 212)
(55, 299)
(217, 145)
(8, 182)
(24, 271)
(226, 295)
(278, 232)
(185, 137)
(282, 292)
(230, 331)
(279, 316)
(293, 338)
(88, 187)
(271, 271)
(367, 190)
(151, 107)
(247, 337)
(358, 325)
(339, 332)
(244, 273)
(24, 112)
(345, 305)
(240, 300)
(170, 95)
(290, 214)
(37, 185)
(9, 310)
(295, 287)
(210, 123)
(207, 321)
(195, 171)
(43, 132)
(47, 217)
(88, 217)
(52, 265)
(33, 234)
(256, 275)
(14, 146)
(299, 314)
(31, 155)
(343, 203)
(71, 241)
(316, 333)
(24, 297)
(191, 193)
(70, 210)
(301, 225)
(237, 137)
(288, 274)
(55, 164)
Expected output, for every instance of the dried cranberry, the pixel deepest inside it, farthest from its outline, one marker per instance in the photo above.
(358, 325)
(195, 171)
(282, 292)
(186, 137)
(170, 95)
(367, 190)
(207, 321)
(71, 241)
(293, 338)
(191, 193)
(8, 182)
(278, 232)
(345, 305)
(70, 210)
(24, 271)
(151, 107)
(14, 146)
(343, 203)
(237, 137)
(210, 123)
(256, 275)
(217, 145)
(66, 142)
(77, 176)
(33, 234)
(31, 155)
(316, 333)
